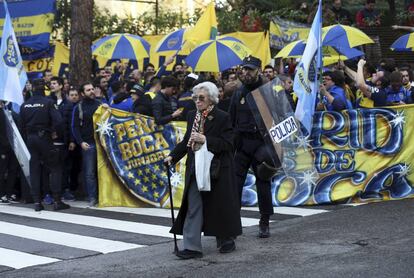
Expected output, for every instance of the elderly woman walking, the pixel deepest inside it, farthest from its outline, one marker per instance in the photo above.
(215, 212)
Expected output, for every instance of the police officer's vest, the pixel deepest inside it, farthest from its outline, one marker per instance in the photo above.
(244, 120)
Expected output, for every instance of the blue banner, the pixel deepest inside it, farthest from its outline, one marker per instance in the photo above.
(32, 21)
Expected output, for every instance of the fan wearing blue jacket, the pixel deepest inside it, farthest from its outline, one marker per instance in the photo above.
(332, 92)
(120, 99)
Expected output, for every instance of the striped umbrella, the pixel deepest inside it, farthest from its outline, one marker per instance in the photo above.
(121, 46)
(330, 54)
(217, 55)
(344, 36)
(172, 41)
(293, 49)
(404, 43)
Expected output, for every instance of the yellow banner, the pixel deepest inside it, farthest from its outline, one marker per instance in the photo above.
(61, 59)
(131, 150)
(39, 65)
(359, 155)
(31, 25)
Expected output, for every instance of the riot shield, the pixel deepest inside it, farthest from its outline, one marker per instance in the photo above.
(286, 143)
(17, 144)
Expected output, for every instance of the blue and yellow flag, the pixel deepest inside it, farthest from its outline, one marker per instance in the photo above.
(205, 28)
(12, 74)
(55, 58)
(32, 21)
(257, 42)
(283, 32)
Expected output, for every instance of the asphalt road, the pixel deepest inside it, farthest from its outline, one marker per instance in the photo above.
(372, 240)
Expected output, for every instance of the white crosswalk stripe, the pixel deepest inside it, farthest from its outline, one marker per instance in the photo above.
(95, 230)
(291, 210)
(82, 242)
(119, 225)
(18, 260)
(246, 222)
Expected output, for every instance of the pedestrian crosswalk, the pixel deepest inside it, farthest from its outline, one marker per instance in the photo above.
(29, 238)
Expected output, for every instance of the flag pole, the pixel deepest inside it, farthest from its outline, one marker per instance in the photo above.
(319, 58)
(12, 81)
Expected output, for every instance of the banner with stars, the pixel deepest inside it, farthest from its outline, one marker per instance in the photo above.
(131, 151)
(355, 156)
(359, 155)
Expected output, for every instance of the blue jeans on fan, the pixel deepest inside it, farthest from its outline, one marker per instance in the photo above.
(89, 170)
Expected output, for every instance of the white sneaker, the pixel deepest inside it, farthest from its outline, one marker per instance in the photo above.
(4, 200)
(93, 203)
(13, 199)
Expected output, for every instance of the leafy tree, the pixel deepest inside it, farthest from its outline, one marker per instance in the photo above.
(105, 23)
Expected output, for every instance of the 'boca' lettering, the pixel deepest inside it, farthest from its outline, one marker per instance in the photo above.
(143, 145)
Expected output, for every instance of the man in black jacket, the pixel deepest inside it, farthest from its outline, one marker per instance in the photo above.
(161, 104)
(83, 131)
(342, 15)
(62, 139)
(71, 168)
(250, 146)
(40, 119)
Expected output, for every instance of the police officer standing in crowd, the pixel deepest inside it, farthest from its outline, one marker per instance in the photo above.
(40, 119)
(250, 146)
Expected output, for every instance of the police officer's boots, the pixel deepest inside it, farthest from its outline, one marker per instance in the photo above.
(58, 204)
(264, 226)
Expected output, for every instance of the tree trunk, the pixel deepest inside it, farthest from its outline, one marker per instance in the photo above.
(391, 4)
(80, 66)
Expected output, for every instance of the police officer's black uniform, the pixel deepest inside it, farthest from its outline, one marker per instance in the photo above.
(250, 147)
(39, 119)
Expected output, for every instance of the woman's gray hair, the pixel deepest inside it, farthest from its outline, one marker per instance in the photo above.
(210, 88)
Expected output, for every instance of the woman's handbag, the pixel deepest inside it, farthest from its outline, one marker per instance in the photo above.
(202, 167)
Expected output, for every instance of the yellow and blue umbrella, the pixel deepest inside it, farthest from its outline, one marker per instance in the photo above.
(330, 54)
(121, 46)
(404, 43)
(293, 49)
(344, 36)
(217, 55)
(172, 41)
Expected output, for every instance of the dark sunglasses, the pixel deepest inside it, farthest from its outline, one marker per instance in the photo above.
(200, 98)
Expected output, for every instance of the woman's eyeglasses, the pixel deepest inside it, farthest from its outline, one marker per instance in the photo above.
(200, 98)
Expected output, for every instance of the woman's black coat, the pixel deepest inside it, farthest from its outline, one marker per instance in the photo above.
(221, 205)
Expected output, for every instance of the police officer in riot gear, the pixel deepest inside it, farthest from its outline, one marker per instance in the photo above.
(250, 147)
(40, 119)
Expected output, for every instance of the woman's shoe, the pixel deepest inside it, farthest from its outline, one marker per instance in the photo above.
(189, 254)
(219, 242)
(228, 246)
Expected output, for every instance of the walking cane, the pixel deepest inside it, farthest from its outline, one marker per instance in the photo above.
(172, 207)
